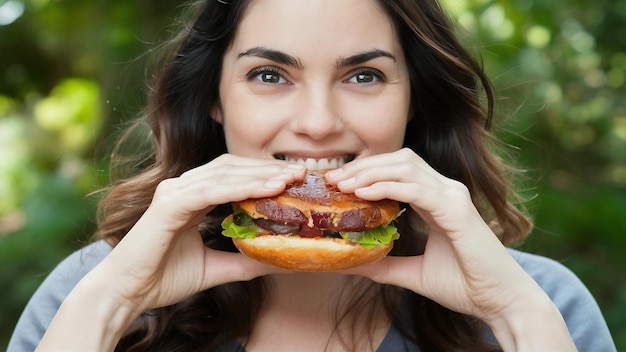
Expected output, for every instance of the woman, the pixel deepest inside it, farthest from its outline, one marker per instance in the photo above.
(383, 88)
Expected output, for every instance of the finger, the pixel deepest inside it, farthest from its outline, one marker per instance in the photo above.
(229, 164)
(398, 271)
(276, 175)
(399, 173)
(224, 267)
(383, 161)
(445, 208)
(424, 191)
(223, 188)
(230, 159)
(201, 190)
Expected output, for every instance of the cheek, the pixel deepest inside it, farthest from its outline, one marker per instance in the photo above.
(247, 126)
(383, 135)
(381, 124)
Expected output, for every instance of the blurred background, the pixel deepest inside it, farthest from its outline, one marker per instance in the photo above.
(72, 72)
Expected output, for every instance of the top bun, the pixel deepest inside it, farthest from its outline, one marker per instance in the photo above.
(314, 194)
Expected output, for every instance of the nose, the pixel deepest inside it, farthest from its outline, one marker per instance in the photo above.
(318, 114)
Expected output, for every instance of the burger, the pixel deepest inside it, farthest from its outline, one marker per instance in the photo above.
(312, 226)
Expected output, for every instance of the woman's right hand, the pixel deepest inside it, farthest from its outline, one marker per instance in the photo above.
(162, 259)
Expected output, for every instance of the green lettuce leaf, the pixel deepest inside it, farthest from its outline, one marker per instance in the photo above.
(371, 238)
(235, 231)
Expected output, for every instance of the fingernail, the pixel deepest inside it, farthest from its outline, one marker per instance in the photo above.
(362, 191)
(335, 172)
(347, 181)
(295, 166)
(274, 183)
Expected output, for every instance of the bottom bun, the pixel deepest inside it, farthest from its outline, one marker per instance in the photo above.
(309, 254)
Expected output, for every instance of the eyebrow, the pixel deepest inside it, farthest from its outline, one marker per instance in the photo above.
(286, 59)
(363, 58)
(274, 55)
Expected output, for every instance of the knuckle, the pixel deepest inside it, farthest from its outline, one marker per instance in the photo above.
(275, 169)
(457, 190)
(406, 152)
(410, 169)
(409, 154)
(163, 193)
(186, 173)
(460, 186)
(223, 159)
(165, 186)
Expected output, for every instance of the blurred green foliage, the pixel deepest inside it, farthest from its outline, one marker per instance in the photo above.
(71, 73)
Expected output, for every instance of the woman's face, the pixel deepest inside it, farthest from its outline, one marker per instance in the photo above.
(319, 81)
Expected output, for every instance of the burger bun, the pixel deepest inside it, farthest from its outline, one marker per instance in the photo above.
(309, 254)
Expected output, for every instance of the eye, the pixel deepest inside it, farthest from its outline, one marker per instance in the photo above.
(366, 75)
(267, 74)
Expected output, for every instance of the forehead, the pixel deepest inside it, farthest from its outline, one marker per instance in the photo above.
(351, 25)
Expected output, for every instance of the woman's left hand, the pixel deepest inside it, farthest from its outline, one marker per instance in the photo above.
(464, 267)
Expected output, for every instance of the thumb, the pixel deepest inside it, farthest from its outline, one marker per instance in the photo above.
(225, 267)
(399, 271)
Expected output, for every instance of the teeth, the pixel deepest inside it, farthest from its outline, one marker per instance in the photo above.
(318, 164)
(311, 164)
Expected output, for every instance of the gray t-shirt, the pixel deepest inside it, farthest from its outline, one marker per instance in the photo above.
(578, 307)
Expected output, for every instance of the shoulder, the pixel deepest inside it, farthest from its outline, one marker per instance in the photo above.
(45, 302)
(83, 260)
(578, 307)
(67, 273)
(559, 282)
(549, 273)
(72, 269)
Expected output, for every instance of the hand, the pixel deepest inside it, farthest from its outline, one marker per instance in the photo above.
(162, 259)
(464, 267)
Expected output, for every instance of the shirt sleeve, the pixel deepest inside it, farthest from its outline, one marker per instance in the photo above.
(46, 300)
(578, 307)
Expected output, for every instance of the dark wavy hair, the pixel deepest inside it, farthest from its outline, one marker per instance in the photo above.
(452, 104)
